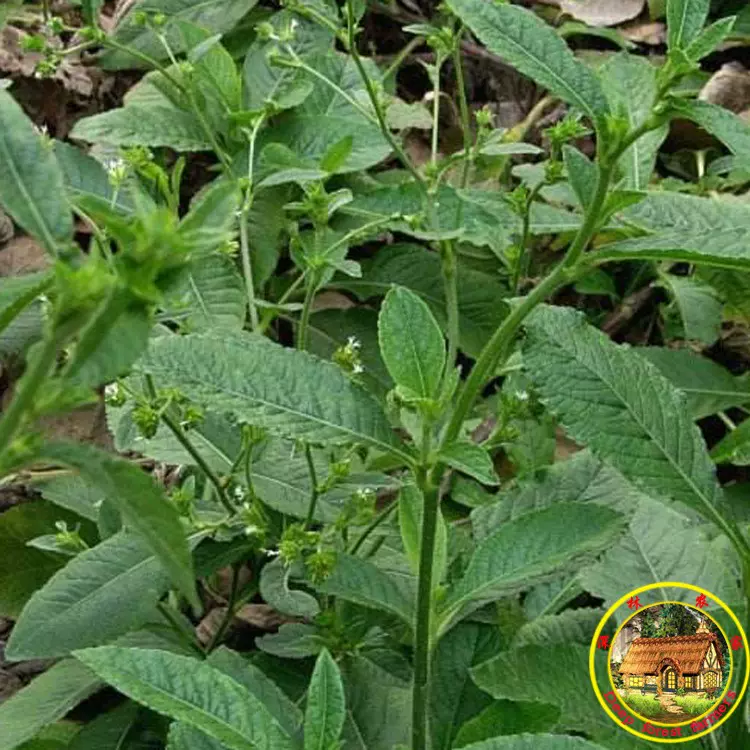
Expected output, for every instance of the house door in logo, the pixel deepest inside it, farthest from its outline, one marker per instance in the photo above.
(669, 683)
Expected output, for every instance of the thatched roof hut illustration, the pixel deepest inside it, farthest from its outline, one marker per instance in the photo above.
(692, 662)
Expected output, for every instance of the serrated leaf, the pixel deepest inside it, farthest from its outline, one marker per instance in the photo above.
(288, 392)
(212, 295)
(358, 580)
(582, 478)
(641, 557)
(533, 48)
(471, 459)
(20, 314)
(141, 502)
(534, 548)
(190, 691)
(508, 717)
(570, 626)
(617, 403)
(631, 87)
(685, 19)
(31, 183)
(48, 698)
(411, 343)
(100, 594)
(283, 710)
(139, 125)
(708, 386)
(212, 15)
(326, 707)
(24, 569)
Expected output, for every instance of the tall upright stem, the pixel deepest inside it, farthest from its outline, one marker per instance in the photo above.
(423, 626)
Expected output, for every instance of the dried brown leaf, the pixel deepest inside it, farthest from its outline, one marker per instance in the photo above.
(603, 12)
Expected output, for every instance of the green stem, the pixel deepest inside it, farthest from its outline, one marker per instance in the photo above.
(150, 61)
(423, 628)
(379, 519)
(229, 614)
(173, 618)
(436, 110)
(247, 267)
(497, 347)
(313, 487)
(304, 321)
(524, 252)
(397, 61)
(375, 101)
(176, 429)
(463, 104)
(38, 369)
(450, 283)
(269, 315)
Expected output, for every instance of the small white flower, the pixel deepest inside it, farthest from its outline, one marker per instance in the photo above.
(117, 169)
(522, 395)
(252, 530)
(358, 369)
(239, 493)
(353, 343)
(41, 130)
(272, 552)
(112, 390)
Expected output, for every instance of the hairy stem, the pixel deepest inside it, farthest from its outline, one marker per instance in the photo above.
(304, 321)
(450, 284)
(463, 104)
(379, 519)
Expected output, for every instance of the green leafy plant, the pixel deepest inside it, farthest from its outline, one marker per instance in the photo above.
(344, 466)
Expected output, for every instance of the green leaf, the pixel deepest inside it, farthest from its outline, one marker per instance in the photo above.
(378, 707)
(631, 87)
(508, 717)
(211, 222)
(480, 306)
(710, 38)
(709, 387)
(24, 569)
(362, 582)
(20, 310)
(699, 309)
(410, 510)
(72, 493)
(294, 640)
(283, 710)
(582, 174)
(455, 698)
(326, 708)
(570, 626)
(212, 15)
(190, 691)
(685, 19)
(471, 459)
(85, 177)
(31, 183)
(264, 82)
(288, 392)
(212, 294)
(728, 127)
(582, 478)
(532, 47)
(617, 403)
(141, 501)
(48, 698)
(734, 448)
(100, 594)
(325, 117)
(125, 727)
(641, 557)
(533, 548)
(140, 125)
(274, 588)
(411, 343)
(733, 287)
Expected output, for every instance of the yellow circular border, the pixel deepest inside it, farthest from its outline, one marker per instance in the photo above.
(592, 664)
(726, 641)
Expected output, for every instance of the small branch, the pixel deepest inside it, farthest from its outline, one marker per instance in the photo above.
(313, 487)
